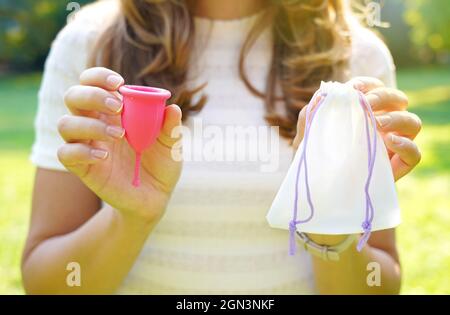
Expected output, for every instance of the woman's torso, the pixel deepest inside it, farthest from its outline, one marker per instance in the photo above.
(214, 237)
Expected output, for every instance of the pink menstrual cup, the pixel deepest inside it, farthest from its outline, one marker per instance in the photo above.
(142, 118)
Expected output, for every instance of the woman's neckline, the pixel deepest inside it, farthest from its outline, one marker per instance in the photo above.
(229, 21)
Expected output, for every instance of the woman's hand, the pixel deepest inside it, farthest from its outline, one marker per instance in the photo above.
(96, 151)
(397, 126)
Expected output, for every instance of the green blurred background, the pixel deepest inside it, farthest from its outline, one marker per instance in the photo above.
(419, 39)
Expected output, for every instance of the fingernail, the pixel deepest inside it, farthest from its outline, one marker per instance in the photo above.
(113, 104)
(384, 120)
(114, 81)
(115, 132)
(99, 154)
(396, 140)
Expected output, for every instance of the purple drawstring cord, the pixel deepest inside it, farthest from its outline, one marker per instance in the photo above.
(294, 221)
(367, 223)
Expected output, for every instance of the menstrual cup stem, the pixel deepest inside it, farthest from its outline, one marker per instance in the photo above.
(137, 168)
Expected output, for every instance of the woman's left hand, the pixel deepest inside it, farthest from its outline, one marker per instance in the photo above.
(397, 126)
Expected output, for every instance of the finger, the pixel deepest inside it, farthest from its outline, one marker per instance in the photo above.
(406, 154)
(401, 122)
(387, 99)
(366, 84)
(78, 128)
(101, 77)
(171, 133)
(300, 128)
(89, 98)
(77, 157)
(301, 121)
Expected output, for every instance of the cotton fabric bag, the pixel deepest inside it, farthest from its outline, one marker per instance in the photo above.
(340, 181)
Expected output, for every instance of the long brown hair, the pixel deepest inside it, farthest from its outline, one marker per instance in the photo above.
(150, 41)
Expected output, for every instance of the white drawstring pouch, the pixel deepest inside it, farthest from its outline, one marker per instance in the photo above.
(340, 181)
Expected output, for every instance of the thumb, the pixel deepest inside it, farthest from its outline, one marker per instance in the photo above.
(170, 134)
(302, 121)
(300, 128)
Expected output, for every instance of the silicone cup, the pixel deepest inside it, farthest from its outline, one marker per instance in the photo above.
(142, 119)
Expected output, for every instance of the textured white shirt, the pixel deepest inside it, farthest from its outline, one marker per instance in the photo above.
(214, 237)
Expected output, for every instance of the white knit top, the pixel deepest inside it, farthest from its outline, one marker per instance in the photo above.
(214, 237)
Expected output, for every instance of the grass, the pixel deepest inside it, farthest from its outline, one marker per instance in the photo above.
(424, 194)
(17, 110)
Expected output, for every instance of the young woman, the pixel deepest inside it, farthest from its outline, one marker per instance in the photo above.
(201, 228)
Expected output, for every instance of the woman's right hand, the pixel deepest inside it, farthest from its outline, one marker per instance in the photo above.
(97, 152)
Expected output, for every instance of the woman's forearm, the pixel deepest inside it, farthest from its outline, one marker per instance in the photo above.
(105, 247)
(356, 272)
